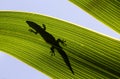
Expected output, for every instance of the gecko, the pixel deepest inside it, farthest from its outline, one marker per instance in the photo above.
(50, 39)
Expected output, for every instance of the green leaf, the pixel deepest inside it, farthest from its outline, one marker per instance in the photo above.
(106, 11)
(91, 55)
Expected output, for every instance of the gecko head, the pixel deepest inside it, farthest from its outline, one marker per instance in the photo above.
(34, 26)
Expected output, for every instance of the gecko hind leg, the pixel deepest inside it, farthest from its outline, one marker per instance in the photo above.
(52, 51)
(61, 41)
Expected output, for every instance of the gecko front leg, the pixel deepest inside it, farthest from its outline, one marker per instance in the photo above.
(44, 27)
(32, 31)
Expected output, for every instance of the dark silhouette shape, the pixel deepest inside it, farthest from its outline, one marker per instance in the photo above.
(51, 40)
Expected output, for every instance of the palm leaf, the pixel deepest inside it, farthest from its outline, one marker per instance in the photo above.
(106, 11)
(92, 55)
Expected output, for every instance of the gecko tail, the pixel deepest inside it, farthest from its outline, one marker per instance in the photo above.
(66, 60)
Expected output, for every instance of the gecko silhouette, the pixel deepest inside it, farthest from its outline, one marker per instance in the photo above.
(50, 40)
